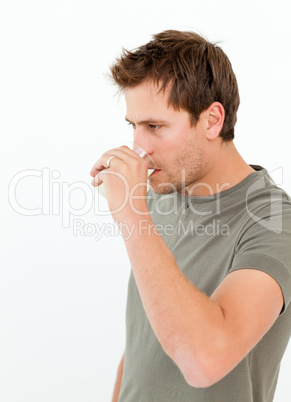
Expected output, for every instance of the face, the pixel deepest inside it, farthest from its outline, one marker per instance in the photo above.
(178, 149)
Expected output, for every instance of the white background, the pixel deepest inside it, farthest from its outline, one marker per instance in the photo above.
(62, 295)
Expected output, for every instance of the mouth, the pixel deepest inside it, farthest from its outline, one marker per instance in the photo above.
(155, 172)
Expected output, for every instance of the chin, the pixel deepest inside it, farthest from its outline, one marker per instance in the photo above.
(163, 188)
(163, 191)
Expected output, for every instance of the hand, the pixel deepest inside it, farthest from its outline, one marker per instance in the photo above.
(125, 181)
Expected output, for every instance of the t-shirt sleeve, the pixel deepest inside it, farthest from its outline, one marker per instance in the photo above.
(265, 244)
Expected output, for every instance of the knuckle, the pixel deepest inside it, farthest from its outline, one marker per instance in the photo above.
(135, 163)
(124, 167)
(123, 147)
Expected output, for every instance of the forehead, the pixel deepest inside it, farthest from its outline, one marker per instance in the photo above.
(147, 99)
(147, 92)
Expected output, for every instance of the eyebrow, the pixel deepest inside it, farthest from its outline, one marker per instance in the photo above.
(150, 120)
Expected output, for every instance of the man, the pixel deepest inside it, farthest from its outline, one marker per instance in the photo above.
(208, 313)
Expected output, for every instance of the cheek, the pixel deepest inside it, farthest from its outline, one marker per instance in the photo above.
(176, 149)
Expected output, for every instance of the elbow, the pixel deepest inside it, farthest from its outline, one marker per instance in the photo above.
(201, 376)
(201, 379)
(205, 362)
(201, 370)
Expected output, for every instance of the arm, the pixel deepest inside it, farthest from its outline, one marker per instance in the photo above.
(118, 381)
(205, 336)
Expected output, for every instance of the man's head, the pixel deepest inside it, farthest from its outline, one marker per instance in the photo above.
(196, 72)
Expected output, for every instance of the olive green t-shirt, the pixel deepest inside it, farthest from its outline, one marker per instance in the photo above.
(245, 226)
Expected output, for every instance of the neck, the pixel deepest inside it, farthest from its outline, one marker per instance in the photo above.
(226, 169)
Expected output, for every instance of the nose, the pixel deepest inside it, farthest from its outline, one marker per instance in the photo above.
(143, 139)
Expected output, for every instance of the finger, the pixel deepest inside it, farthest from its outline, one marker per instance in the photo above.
(123, 153)
(98, 179)
(94, 171)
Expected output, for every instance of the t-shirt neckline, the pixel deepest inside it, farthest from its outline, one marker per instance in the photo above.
(259, 171)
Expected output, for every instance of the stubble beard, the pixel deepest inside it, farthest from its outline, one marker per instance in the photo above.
(185, 170)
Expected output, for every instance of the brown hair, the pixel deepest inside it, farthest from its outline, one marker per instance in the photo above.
(199, 73)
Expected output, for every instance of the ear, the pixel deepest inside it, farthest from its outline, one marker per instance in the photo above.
(215, 119)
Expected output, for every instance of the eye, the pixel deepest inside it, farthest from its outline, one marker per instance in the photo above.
(154, 127)
(131, 124)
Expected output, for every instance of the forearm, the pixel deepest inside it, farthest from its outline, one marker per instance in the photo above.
(183, 318)
(117, 386)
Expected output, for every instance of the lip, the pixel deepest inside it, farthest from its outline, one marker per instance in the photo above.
(156, 171)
